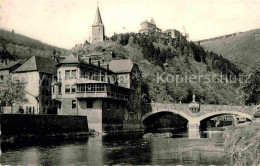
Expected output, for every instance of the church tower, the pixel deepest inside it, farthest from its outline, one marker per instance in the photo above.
(98, 29)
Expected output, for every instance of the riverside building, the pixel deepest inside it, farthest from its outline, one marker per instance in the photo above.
(108, 94)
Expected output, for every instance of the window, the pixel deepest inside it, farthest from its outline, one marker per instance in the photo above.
(73, 74)
(102, 76)
(92, 87)
(67, 89)
(73, 88)
(74, 104)
(88, 88)
(67, 74)
(53, 89)
(59, 105)
(59, 89)
(82, 88)
(100, 87)
(1, 78)
(59, 76)
(89, 104)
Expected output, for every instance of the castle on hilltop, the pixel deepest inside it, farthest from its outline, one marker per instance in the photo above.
(147, 27)
(165, 36)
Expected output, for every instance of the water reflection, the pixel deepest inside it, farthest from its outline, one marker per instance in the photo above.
(100, 151)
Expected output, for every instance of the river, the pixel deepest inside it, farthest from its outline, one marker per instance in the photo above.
(107, 151)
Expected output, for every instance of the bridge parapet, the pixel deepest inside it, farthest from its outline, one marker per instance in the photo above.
(204, 109)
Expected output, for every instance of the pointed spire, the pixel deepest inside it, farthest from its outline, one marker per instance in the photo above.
(98, 20)
(152, 21)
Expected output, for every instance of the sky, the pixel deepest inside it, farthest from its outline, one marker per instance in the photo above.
(65, 23)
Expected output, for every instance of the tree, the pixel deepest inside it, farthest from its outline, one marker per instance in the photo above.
(12, 91)
(251, 85)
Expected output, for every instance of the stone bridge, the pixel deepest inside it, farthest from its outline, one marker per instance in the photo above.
(205, 111)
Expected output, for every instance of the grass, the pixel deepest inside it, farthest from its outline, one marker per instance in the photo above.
(243, 143)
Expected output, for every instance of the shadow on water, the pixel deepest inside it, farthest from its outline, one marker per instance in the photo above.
(130, 149)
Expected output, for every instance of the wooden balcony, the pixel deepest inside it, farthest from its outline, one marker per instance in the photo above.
(109, 95)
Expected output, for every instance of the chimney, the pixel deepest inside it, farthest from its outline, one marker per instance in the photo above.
(89, 60)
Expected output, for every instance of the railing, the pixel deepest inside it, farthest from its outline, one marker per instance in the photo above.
(103, 94)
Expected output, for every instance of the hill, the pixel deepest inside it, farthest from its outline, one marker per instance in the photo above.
(164, 65)
(23, 47)
(170, 62)
(243, 48)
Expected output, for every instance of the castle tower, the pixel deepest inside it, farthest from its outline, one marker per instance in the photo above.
(98, 29)
(152, 21)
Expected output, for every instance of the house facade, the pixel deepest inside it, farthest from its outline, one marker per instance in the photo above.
(37, 74)
(93, 90)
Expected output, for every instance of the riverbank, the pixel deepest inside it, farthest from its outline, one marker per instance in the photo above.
(243, 143)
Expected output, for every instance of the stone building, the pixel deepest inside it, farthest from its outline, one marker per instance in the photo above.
(173, 33)
(84, 88)
(98, 29)
(150, 28)
(129, 76)
(37, 74)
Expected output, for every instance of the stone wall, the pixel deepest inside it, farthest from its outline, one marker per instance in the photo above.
(94, 114)
(66, 107)
(19, 126)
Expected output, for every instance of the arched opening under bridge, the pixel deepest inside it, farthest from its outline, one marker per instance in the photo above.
(165, 121)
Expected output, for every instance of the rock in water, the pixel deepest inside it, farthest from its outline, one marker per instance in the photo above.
(148, 135)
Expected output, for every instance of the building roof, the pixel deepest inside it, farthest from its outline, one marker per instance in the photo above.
(98, 20)
(152, 21)
(10, 65)
(40, 64)
(121, 66)
(71, 59)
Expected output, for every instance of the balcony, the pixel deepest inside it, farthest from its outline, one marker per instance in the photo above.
(91, 95)
(109, 95)
(101, 90)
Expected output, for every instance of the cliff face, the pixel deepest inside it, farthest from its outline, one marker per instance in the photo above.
(241, 48)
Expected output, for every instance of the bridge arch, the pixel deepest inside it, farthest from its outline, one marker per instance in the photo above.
(224, 112)
(182, 114)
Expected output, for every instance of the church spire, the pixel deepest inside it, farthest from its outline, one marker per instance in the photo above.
(98, 20)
